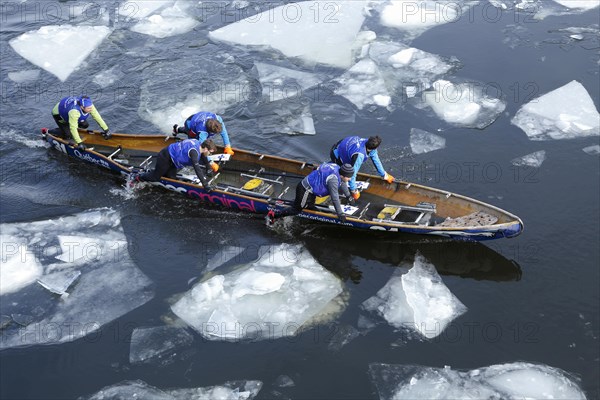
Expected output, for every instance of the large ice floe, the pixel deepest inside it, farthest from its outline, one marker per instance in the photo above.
(272, 297)
(416, 299)
(423, 142)
(463, 104)
(127, 390)
(171, 21)
(59, 49)
(518, 380)
(322, 33)
(85, 277)
(564, 113)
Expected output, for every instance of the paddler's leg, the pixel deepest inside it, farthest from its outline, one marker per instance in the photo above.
(63, 127)
(162, 168)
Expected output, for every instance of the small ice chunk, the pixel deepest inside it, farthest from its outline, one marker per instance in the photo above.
(381, 100)
(19, 269)
(530, 160)
(576, 37)
(108, 77)
(41, 47)
(157, 344)
(564, 113)
(417, 300)
(269, 298)
(362, 83)
(423, 142)
(463, 104)
(59, 282)
(343, 335)
(284, 381)
(223, 256)
(592, 150)
(296, 31)
(284, 83)
(24, 76)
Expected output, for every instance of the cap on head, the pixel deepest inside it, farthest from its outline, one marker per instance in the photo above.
(85, 102)
(346, 170)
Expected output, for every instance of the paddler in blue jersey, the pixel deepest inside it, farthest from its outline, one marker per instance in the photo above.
(354, 150)
(204, 125)
(72, 113)
(178, 155)
(328, 179)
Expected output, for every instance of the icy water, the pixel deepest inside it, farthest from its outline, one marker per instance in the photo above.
(529, 300)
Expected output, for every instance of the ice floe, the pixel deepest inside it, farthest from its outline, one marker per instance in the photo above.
(223, 256)
(362, 84)
(270, 298)
(530, 160)
(518, 380)
(41, 47)
(423, 142)
(564, 113)
(96, 270)
(139, 9)
(592, 150)
(283, 83)
(232, 390)
(171, 21)
(314, 32)
(158, 344)
(579, 4)
(417, 299)
(463, 104)
(294, 119)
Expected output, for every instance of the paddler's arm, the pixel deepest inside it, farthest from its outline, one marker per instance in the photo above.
(194, 156)
(333, 187)
(96, 115)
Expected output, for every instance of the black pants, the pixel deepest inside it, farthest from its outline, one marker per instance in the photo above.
(164, 167)
(185, 129)
(304, 198)
(334, 159)
(64, 129)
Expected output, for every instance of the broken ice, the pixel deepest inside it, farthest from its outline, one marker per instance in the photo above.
(269, 298)
(423, 142)
(592, 150)
(530, 160)
(362, 84)
(103, 283)
(417, 299)
(564, 113)
(232, 390)
(504, 381)
(282, 83)
(170, 22)
(41, 47)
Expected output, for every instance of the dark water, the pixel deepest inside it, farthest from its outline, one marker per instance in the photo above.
(534, 298)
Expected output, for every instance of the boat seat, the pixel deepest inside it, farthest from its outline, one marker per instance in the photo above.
(420, 214)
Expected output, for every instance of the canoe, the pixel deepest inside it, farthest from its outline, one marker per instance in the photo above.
(261, 183)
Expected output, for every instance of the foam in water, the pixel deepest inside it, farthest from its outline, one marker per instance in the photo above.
(417, 299)
(530, 160)
(316, 33)
(423, 142)
(42, 47)
(564, 113)
(24, 76)
(464, 104)
(269, 298)
(504, 381)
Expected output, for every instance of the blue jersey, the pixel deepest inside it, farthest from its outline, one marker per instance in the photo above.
(180, 152)
(197, 124)
(71, 103)
(318, 178)
(355, 146)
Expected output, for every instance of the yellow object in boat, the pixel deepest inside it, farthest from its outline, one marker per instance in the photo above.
(252, 184)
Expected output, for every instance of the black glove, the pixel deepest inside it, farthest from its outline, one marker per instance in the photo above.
(342, 218)
(72, 143)
(106, 134)
(209, 188)
(81, 146)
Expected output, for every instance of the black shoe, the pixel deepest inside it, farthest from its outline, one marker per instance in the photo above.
(175, 129)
